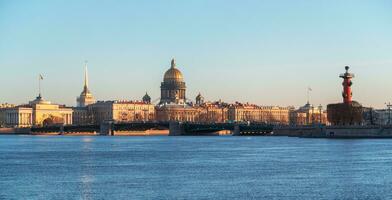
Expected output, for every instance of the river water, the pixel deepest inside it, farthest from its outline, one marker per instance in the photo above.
(66, 167)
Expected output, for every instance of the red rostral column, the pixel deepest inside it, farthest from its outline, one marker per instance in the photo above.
(347, 93)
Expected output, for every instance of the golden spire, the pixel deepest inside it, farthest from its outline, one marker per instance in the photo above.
(85, 87)
(85, 75)
(173, 63)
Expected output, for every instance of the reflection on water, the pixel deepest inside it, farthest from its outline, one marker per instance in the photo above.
(87, 139)
(86, 178)
(69, 167)
(86, 181)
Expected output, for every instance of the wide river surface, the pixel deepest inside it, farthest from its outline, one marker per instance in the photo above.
(67, 167)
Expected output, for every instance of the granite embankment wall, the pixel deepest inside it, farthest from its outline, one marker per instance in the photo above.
(141, 133)
(335, 131)
(299, 131)
(358, 132)
(15, 131)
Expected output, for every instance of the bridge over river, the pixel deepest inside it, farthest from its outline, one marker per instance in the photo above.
(174, 128)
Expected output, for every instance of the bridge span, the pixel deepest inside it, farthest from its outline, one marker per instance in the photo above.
(171, 128)
(190, 129)
(194, 129)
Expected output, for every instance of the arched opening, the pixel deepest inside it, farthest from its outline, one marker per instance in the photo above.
(48, 122)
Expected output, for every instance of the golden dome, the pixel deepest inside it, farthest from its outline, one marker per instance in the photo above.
(173, 74)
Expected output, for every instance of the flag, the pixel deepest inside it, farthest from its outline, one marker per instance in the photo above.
(41, 77)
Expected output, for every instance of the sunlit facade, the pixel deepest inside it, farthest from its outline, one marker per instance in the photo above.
(240, 112)
(38, 112)
(119, 111)
(122, 111)
(308, 115)
(211, 112)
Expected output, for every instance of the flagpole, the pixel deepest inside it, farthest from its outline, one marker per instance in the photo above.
(308, 94)
(39, 85)
(40, 78)
(307, 90)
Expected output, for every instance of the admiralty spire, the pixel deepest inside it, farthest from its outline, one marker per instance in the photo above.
(85, 98)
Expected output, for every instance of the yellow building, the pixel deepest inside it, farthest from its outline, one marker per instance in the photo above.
(121, 111)
(17, 116)
(240, 112)
(46, 113)
(82, 116)
(211, 112)
(3, 113)
(175, 112)
(307, 115)
(37, 113)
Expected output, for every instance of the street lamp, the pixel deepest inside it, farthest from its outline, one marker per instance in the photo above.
(312, 115)
(320, 107)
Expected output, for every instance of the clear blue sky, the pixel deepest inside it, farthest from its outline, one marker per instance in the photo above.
(264, 52)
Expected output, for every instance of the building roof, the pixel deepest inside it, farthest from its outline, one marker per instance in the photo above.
(173, 74)
(39, 100)
(122, 102)
(254, 106)
(86, 90)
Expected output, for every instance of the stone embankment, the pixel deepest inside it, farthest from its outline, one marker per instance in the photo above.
(335, 131)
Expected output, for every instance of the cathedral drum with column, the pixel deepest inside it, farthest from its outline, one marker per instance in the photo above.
(173, 86)
(173, 105)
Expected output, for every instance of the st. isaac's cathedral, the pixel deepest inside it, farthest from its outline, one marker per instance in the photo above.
(173, 86)
(173, 105)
